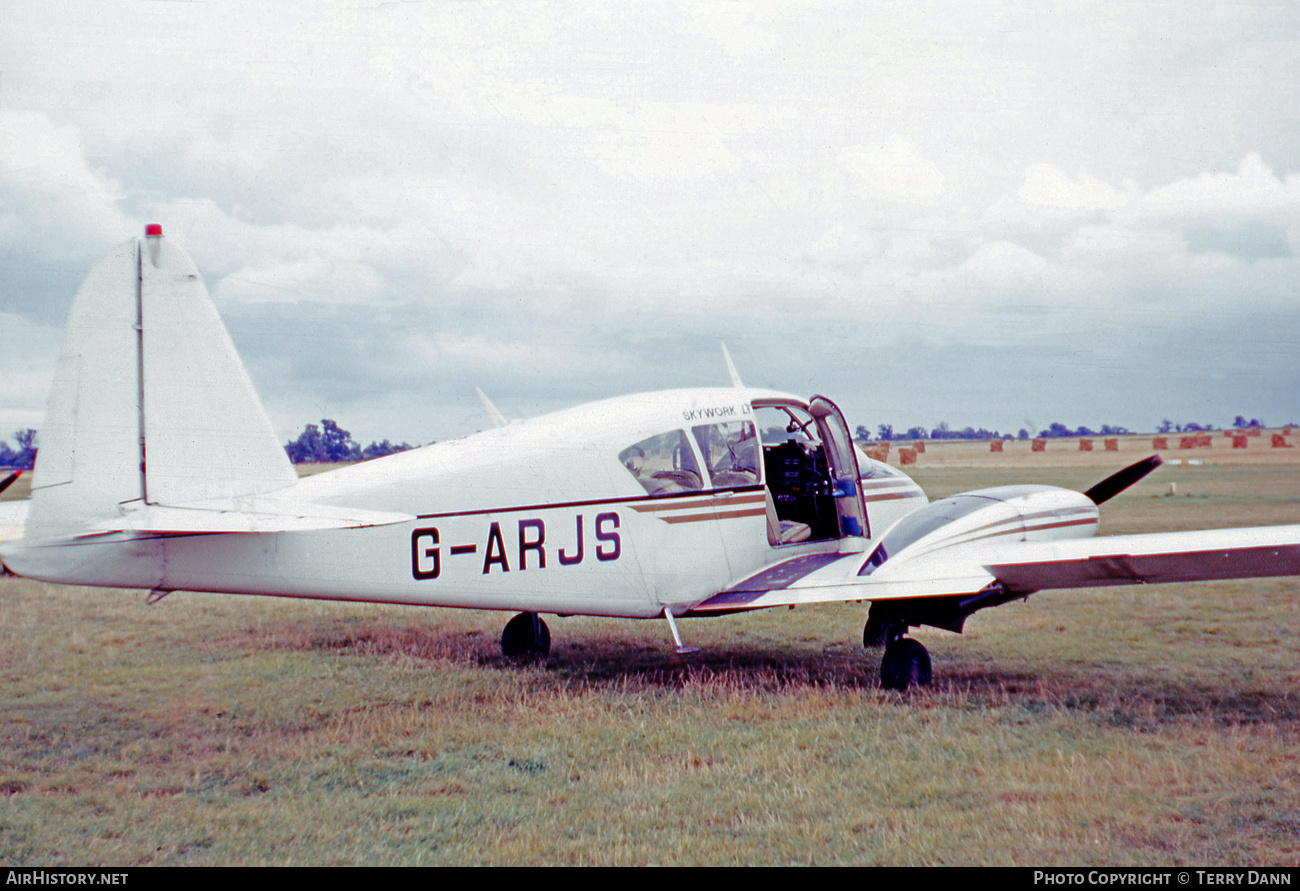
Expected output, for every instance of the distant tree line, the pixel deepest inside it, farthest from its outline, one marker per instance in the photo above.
(331, 443)
(1056, 430)
(326, 443)
(25, 456)
(1168, 426)
(941, 431)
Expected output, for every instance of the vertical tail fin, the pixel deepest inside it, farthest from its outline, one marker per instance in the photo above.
(150, 402)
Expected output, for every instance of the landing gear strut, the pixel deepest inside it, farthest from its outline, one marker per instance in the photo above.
(878, 632)
(526, 637)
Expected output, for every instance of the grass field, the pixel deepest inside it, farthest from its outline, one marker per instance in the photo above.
(1156, 725)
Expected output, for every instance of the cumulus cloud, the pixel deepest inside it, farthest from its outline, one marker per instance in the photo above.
(1004, 266)
(892, 170)
(317, 279)
(1252, 192)
(1045, 186)
(52, 202)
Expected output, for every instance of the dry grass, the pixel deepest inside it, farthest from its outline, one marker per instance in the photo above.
(1146, 726)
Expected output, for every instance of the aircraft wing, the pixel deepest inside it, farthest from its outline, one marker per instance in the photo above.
(1151, 558)
(1019, 567)
(832, 578)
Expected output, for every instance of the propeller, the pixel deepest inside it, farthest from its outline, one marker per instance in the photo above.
(1118, 482)
(10, 480)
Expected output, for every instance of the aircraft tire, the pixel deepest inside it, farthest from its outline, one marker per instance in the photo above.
(526, 637)
(906, 664)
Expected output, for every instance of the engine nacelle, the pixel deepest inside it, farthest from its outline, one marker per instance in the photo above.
(1008, 513)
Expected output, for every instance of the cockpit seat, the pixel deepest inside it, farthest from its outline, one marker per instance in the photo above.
(724, 479)
(780, 531)
(670, 482)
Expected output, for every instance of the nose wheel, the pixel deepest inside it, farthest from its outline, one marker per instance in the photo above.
(906, 664)
(526, 637)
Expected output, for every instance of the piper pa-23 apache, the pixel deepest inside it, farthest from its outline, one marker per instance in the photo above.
(159, 469)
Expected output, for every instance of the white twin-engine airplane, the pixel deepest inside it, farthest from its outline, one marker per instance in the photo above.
(159, 469)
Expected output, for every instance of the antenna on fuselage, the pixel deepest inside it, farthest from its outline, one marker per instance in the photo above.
(731, 367)
(498, 419)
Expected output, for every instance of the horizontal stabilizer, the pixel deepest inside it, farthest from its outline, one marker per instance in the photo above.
(244, 515)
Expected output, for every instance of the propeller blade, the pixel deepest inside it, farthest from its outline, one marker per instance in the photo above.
(10, 479)
(1118, 482)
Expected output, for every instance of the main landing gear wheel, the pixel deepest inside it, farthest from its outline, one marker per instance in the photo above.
(906, 664)
(526, 637)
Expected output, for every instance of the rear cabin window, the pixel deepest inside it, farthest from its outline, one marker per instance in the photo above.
(731, 451)
(663, 464)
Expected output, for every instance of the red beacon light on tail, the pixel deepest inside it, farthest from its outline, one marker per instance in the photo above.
(153, 230)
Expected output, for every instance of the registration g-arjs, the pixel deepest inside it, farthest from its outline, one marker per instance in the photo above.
(159, 469)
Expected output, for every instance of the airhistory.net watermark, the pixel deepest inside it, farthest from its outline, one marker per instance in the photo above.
(60, 877)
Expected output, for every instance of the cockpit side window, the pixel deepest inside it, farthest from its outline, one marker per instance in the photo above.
(663, 464)
(731, 452)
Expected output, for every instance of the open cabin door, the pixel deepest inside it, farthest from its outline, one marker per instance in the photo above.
(843, 465)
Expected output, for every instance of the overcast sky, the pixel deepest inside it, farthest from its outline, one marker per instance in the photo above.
(974, 213)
